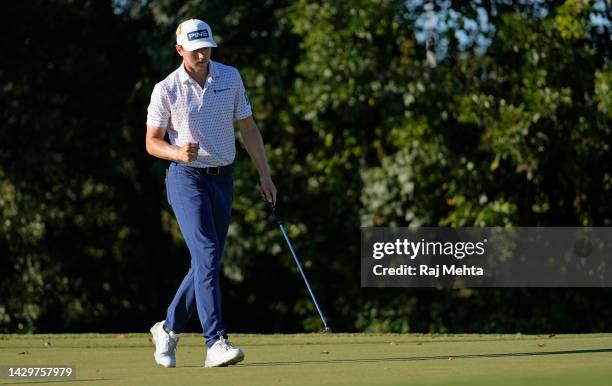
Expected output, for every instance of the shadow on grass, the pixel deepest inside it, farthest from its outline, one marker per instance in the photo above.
(427, 358)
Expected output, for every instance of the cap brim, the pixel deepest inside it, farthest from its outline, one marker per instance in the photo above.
(196, 45)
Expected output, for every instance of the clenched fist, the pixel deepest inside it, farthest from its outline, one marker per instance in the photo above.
(188, 153)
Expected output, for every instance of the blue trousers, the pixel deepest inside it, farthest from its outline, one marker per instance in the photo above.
(202, 205)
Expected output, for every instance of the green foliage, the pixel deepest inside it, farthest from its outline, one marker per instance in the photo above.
(512, 118)
(360, 130)
(603, 90)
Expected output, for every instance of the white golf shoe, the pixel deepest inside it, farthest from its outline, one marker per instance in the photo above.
(223, 353)
(165, 345)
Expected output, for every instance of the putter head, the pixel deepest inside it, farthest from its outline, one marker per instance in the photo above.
(326, 330)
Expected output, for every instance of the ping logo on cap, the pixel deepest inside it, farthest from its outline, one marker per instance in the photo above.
(199, 34)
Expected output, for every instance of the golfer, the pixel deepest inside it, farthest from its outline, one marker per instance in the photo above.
(197, 106)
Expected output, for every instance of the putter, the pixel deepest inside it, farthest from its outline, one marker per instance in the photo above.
(272, 207)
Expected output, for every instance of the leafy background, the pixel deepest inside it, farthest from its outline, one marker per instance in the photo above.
(374, 113)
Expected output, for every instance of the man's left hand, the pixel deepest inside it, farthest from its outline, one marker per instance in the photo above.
(267, 189)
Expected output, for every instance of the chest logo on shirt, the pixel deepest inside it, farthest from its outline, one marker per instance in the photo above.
(219, 90)
(199, 34)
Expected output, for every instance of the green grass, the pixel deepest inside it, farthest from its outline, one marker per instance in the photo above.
(334, 359)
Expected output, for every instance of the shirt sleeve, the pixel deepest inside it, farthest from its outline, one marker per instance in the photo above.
(158, 112)
(242, 105)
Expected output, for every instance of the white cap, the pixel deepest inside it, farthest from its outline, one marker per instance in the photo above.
(194, 34)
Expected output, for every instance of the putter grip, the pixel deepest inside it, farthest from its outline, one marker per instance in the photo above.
(274, 213)
(270, 205)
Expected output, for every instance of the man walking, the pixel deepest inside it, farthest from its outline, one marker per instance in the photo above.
(197, 106)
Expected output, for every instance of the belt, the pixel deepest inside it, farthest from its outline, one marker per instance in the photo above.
(225, 170)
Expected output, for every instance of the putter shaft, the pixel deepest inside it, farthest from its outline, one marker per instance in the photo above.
(297, 262)
(299, 265)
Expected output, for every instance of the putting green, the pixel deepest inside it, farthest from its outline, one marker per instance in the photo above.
(334, 359)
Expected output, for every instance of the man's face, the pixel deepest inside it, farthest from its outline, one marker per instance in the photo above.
(196, 60)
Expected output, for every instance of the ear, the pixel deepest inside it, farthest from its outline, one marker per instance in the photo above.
(180, 49)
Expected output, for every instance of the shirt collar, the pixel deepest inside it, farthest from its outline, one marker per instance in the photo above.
(213, 72)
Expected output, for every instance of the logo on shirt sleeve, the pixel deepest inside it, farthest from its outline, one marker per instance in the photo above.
(199, 34)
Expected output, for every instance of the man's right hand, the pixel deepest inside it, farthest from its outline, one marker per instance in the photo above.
(188, 153)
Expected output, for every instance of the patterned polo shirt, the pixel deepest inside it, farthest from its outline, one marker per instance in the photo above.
(201, 114)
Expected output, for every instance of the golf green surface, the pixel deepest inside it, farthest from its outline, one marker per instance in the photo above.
(331, 359)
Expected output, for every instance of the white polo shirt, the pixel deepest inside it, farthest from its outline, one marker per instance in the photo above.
(204, 115)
